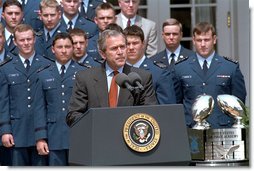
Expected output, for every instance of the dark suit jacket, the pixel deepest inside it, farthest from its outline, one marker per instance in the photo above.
(162, 57)
(222, 77)
(91, 90)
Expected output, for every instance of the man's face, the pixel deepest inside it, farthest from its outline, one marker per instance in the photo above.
(115, 53)
(104, 18)
(204, 43)
(129, 8)
(172, 36)
(63, 50)
(50, 17)
(79, 46)
(13, 16)
(70, 7)
(25, 42)
(2, 41)
(135, 49)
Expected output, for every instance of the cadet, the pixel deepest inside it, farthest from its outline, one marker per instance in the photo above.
(17, 104)
(207, 73)
(172, 35)
(162, 79)
(80, 43)
(54, 89)
(50, 14)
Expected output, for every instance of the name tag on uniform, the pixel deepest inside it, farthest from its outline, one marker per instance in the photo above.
(50, 80)
(186, 76)
(223, 76)
(13, 75)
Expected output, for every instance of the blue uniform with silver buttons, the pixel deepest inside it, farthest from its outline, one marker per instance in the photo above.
(223, 77)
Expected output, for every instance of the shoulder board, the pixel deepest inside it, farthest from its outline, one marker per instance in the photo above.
(181, 60)
(98, 60)
(229, 59)
(41, 69)
(160, 64)
(52, 60)
(39, 33)
(6, 60)
(84, 65)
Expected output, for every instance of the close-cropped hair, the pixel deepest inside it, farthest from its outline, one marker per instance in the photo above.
(114, 26)
(8, 3)
(62, 35)
(78, 32)
(104, 6)
(50, 3)
(203, 27)
(134, 30)
(107, 34)
(172, 22)
(23, 28)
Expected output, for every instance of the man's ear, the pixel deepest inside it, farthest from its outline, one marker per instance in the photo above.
(103, 55)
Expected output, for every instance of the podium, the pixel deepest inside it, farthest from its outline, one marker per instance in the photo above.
(96, 139)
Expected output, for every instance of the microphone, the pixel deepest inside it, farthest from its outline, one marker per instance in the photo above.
(123, 81)
(135, 79)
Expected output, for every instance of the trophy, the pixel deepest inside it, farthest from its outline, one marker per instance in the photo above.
(201, 109)
(232, 106)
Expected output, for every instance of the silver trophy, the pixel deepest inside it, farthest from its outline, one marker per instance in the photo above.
(201, 109)
(234, 107)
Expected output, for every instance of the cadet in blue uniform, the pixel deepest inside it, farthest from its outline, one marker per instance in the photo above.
(50, 14)
(12, 16)
(88, 8)
(162, 79)
(5, 157)
(55, 88)
(80, 43)
(172, 35)
(71, 14)
(207, 73)
(17, 104)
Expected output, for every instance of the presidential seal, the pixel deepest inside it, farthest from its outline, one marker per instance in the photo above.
(141, 132)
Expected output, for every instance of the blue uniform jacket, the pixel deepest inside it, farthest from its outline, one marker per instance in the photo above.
(223, 77)
(90, 13)
(162, 57)
(86, 25)
(18, 99)
(55, 93)
(162, 82)
(44, 47)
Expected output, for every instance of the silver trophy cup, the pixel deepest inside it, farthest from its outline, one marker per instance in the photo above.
(232, 106)
(201, 109)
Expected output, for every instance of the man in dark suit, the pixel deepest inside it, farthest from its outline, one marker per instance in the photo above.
(93, 86)
(207, 73)
(172, 35)
(162, 78)
(50, 14)
(54, 89)
(18, 99)
(80, 43)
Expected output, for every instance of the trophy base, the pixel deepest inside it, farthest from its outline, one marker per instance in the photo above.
(224, 145)
(220, 163)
